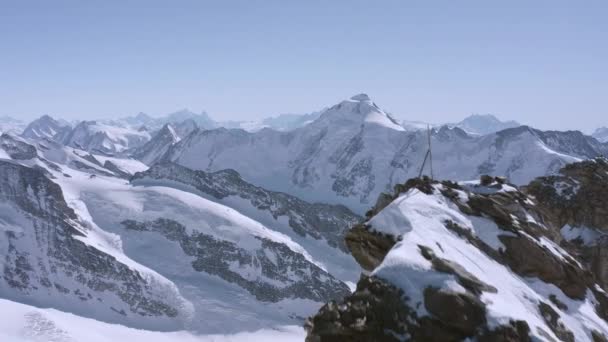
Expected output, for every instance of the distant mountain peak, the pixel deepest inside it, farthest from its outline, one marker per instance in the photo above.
(361, 97)
(601, 134)
(484, 124)
(357, 110)
(46, 127)
(143, 116)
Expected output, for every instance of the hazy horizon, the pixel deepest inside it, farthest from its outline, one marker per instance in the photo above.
(541, 64)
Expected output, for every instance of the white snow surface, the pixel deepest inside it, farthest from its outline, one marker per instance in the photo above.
(218, 306)
(418, 219)
(24, 323)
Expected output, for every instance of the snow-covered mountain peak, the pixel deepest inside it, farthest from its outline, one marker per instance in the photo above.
(104, 138)
(203, 119)
(601, 134)
(142, 116)
(361, 97)
(183, 114)
(45, 127)
(484, 124)
(446, 132)
(358, 110)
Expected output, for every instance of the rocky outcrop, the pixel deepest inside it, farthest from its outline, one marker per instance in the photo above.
(576, 196)
(575, 202)
(515, 234)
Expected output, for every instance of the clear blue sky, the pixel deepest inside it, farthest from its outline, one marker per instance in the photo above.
(543, 63)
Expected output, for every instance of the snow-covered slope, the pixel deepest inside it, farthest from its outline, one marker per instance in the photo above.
(105, 139)
(482, 124)
(24, 323)
(601, 134)
(354, 151)
(53, 257)
(318, 227)
(471, 261)
(46, 127)
(410, 125)
(83, 240)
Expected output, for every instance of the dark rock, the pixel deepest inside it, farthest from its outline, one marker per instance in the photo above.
(515, 331)
(368, 247)
(528, 258)
(552, 319)
(460, 311)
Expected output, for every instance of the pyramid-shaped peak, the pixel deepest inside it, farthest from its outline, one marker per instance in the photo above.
(361, 97)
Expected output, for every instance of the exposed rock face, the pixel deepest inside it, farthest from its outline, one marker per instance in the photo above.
(288, 274)
(443, 254)
(576, 196)
(48, 259)
(576, 201)
(320, 221)
(16, 148)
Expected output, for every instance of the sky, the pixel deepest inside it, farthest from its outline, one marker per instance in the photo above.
(542, 63)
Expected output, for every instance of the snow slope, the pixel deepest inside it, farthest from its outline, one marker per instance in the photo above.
(318, 227)
(419, 220)
(23, 323)
(221, 271)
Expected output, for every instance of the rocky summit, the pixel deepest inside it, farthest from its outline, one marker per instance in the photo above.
(480, 261)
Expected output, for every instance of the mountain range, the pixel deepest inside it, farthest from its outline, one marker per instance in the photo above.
(185, 228)
(355, 150)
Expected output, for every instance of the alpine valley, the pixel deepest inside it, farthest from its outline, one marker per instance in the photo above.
(301, 226)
